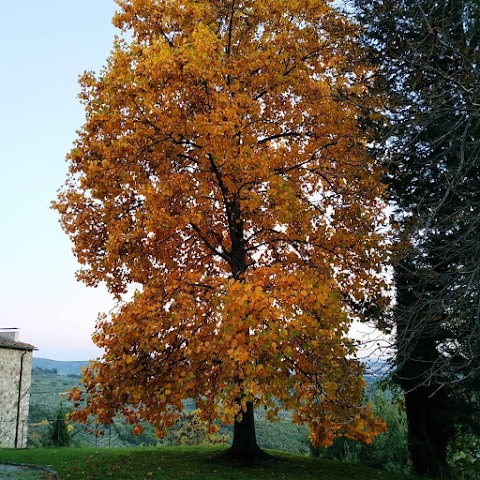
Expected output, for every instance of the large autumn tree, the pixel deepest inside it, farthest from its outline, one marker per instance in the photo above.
(221, 174)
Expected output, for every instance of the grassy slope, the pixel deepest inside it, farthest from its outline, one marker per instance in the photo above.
(175, 463)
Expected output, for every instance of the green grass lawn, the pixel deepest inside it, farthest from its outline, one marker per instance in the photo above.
(193, 463)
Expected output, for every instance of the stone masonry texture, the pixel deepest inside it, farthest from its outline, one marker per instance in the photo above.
(13, 430)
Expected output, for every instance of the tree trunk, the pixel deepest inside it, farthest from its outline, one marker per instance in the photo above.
(429, 430)
(244, 446)
(428, 402)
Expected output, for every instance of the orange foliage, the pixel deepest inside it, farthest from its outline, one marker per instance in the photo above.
(222, 172)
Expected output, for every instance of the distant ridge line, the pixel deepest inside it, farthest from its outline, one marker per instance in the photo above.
(62, 367)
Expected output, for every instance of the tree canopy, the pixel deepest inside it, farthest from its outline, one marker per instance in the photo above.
(222, 173)
(429, 56)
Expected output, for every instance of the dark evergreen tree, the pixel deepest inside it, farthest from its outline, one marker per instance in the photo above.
(60, 433)
(428, 52)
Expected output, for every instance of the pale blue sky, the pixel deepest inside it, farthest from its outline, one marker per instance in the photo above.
(44, 46)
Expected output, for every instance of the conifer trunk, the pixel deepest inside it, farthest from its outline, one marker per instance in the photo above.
(427, 401)
(428, 410)
(429, 430)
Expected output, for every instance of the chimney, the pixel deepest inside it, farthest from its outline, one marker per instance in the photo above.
(11, 334)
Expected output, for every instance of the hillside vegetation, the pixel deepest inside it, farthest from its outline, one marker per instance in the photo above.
(60, 367)
(49, 395)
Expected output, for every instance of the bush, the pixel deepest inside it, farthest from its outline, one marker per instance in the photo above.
(388, 450)
(192, 430)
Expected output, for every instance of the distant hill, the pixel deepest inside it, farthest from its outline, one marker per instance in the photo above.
(376, 369)
(62, 368)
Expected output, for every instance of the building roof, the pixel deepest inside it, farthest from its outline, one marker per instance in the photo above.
(15, 345)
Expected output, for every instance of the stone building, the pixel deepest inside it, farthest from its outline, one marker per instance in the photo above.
(15, 378)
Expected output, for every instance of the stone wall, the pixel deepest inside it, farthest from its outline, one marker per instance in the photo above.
(13, 430)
